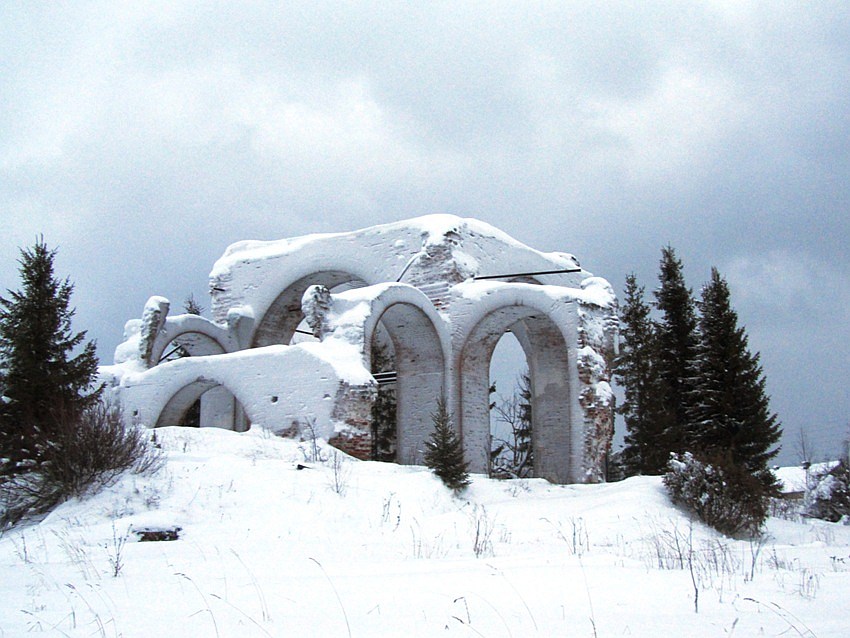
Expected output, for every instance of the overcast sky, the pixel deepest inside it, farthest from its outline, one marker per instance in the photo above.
(143, 138)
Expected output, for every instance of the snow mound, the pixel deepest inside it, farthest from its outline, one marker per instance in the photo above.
(278, 537)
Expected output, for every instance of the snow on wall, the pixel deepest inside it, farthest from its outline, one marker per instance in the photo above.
(597, 342)
(316, 379)
(429, 248)
(414, 281)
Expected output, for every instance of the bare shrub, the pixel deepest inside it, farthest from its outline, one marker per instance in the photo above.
(809, 584)
(482, 527)
(424, 547)
(311, 448)
(711, 563)
(391, 509)
(340, 472)
(115, 551)
(576, 538)
(785, 508)
(88, 451)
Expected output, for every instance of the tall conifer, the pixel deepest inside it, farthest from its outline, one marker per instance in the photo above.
(646, 448)
(42, 381)
(384, 409)
(676, 346)
(730, 412)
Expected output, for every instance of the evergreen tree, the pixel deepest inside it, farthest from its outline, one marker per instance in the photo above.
(384, 409)
(676, 342)
(646, 448)
(42, 382)
(191, 306)
(444, 451)
(175, 351)
(729, 410)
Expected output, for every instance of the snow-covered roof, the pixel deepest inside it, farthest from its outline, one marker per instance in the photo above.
(430, 230)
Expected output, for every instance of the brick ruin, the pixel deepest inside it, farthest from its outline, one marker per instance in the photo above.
(441, 290)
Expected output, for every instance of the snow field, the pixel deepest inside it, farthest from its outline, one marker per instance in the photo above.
(344, 547)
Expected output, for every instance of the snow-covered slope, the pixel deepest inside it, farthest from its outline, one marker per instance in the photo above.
(344, 547)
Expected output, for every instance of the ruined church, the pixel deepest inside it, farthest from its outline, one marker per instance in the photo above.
(439, 291)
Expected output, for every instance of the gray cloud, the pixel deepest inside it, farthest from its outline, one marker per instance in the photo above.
(143, 138)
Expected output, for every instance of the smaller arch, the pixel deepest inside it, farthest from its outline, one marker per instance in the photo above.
(198, 335)
(281, 319)
(402, 294)
(421, 343)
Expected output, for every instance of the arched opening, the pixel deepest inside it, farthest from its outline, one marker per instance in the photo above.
(548, 369)
(188, 344)
(208, 405)
(511, 454)
(409, 338)
(204, 403)
(284, 319)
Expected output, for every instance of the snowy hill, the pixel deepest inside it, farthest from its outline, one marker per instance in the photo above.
(344, 547)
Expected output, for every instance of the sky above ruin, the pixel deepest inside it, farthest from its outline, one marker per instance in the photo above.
(143, 138)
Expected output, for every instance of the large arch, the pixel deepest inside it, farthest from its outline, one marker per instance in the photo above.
(420, 340)
(280, 320)
(545, 332)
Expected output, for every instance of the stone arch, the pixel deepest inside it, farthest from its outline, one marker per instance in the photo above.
(544, 332)
(278, 323)
(421, 343)
(199, 336)
(219, 406)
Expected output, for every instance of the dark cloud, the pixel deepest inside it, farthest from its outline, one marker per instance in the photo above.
(143, 138)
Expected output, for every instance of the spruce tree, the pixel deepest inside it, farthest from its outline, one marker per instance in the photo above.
(42, 381)
(444, 451)
(646, 449)
(191, 306)
(384, 409)
(730, 412)
(676, 347)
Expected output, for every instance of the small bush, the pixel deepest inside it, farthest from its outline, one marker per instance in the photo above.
(444, 451)
(85, 453)
(828, 494)
(722, 494)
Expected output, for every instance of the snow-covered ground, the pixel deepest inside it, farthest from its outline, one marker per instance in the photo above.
(344, 547)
